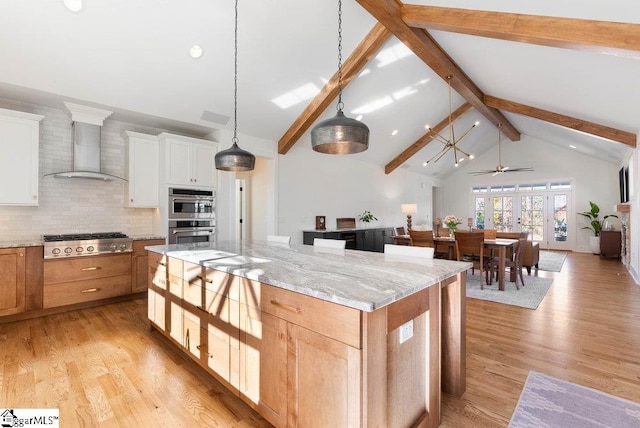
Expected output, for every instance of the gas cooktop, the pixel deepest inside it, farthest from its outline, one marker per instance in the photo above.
(85, 244)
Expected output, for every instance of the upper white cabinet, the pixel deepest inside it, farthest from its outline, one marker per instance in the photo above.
(142, 168)
(189, 161)
(19, 157)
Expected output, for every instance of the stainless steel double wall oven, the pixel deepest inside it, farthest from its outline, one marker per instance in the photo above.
(192, 215)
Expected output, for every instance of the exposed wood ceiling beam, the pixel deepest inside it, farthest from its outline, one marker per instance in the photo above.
(388, 12)
(425, 139)
(359, 58)
(613, 38)
(569, 122)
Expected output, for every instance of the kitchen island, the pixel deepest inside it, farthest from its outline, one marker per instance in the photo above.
(316, 337)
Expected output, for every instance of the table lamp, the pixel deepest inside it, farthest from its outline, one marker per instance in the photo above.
(470, 223)
(409, 209)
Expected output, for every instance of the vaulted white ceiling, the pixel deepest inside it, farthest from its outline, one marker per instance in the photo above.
(132, 56)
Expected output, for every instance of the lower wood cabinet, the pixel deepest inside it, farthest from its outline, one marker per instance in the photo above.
(140, 263)
(83, 279)
(610, 243)
(301, 361)
(12, 287)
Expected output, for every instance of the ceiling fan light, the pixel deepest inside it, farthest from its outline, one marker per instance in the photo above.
(340, 135)
(235, 159)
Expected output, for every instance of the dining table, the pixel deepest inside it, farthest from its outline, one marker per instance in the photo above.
(500, 245)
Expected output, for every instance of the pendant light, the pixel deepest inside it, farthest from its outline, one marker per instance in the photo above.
(451, 142)
(234, 158)
(340, 135)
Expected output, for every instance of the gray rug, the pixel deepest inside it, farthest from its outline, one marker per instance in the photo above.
(551, 261)
(549, 402)
(529, 296)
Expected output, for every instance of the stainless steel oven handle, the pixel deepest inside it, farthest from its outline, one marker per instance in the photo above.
(175, 232)
(196, 199)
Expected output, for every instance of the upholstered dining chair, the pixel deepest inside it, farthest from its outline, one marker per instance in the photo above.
(470, 248)
(329, 243)
(281, 239)
(405, 250)
(421, 238)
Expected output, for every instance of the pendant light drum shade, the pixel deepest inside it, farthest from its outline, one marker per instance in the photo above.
(235, 159)
(340, 135)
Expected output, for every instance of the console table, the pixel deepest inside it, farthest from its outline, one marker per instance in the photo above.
(372, 239)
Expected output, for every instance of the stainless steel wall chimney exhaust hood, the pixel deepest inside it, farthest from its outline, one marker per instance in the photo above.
(87, 123)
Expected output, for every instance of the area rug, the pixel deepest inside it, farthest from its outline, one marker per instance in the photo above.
(551, 261)
(529, 296)
(549, 402)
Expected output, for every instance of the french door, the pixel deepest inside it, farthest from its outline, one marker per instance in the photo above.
(542, 210)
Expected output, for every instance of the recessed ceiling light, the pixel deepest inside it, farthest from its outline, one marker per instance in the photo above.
(424, 164)
(75, 6)
(196, 52)
(427, 126)
(395, 132)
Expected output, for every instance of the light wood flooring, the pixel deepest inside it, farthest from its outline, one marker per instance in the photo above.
(104, 367)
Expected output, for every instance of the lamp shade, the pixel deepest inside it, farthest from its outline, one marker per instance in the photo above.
(235, 159)
(409, 208)
(340, 135)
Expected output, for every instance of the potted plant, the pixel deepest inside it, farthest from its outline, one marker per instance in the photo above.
(367, 217)
(595, 225)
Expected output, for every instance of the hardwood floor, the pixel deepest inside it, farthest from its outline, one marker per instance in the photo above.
(103, 366)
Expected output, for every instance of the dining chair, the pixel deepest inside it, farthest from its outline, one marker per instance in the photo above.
(400, 231)
(470, 248)
(514, 262)
(279, 238)
(488, 233)
(329, 243)
(404, 250)
(421, 238)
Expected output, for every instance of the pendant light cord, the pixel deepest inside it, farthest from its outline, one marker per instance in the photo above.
(235, 80)
(340, 104)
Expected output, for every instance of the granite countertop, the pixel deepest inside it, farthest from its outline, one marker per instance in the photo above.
(38, 242)
(359, 279)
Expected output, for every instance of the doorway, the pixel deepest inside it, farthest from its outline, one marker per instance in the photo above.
(542, 209)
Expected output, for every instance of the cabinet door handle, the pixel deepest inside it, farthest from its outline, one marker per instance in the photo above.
(286, 307)
(205, 279)
(200, 308)
(91, 268)
(90, 290)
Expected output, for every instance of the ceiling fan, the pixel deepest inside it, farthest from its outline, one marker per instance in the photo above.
(500, 168)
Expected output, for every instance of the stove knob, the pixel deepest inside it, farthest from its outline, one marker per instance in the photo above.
(79, 250)
(123, 247)
(113, 247)
(55, 251)
(68, 250)
(90, 248)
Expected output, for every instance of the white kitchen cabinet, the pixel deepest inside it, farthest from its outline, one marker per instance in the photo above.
(142, 169)
(189, 161)
(19, 157)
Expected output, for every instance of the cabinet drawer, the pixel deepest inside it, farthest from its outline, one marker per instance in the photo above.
(67, 293)
(329, 319)
(189, 291)
(222, 283)
(157, 260)
(158, 277)
(86, 268)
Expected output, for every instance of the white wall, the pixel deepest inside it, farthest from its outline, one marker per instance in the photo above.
(593, 179)
(312, 184)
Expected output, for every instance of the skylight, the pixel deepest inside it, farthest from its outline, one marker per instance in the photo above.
(392, 54)
(296, 96)
(373, 105)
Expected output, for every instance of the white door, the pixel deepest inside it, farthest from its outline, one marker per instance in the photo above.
(560, 230)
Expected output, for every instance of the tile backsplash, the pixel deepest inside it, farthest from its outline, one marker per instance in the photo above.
(75, 205)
